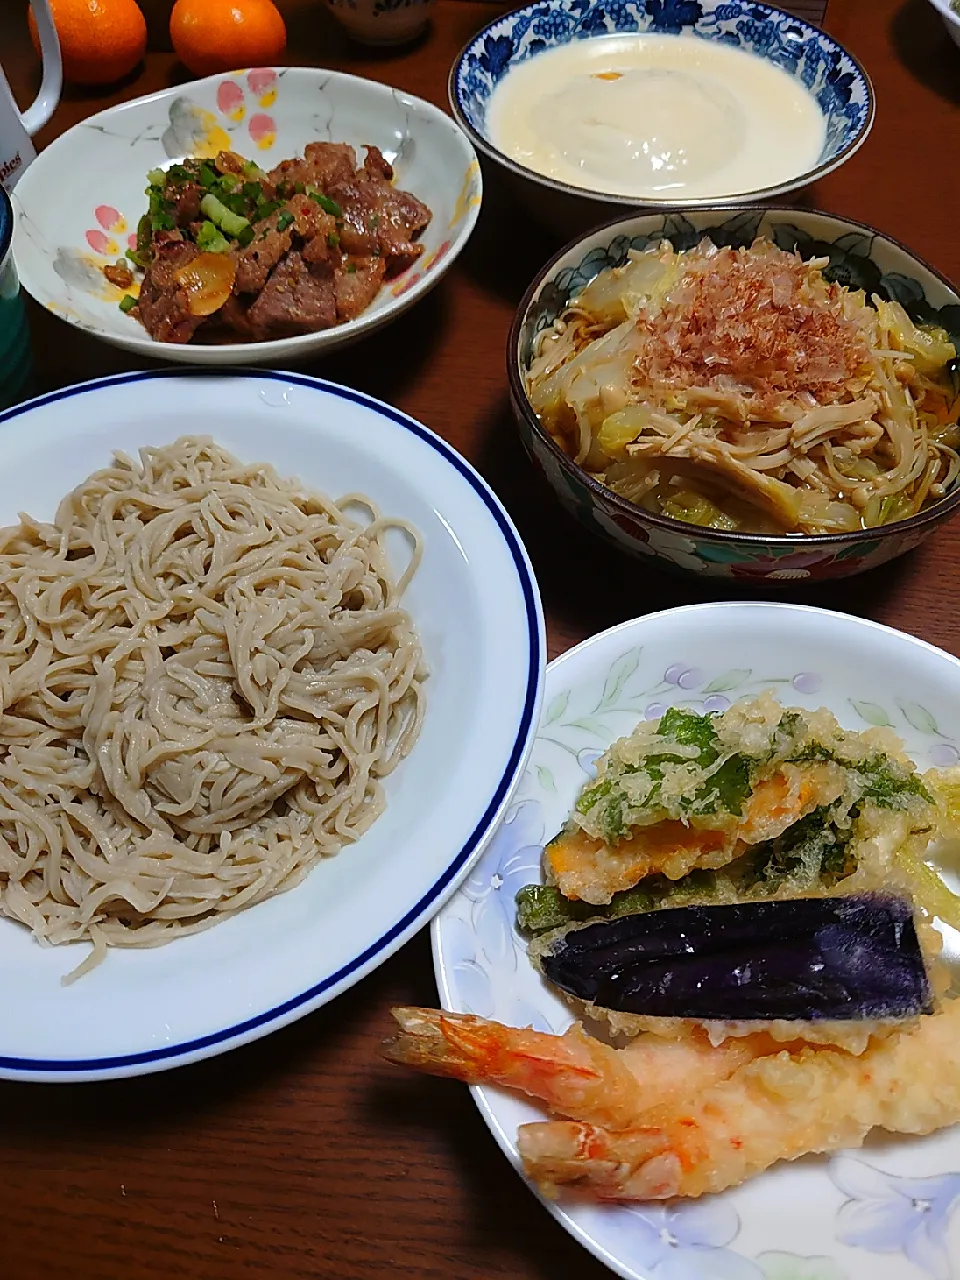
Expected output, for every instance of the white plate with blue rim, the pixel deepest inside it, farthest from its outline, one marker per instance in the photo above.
(475, 604)
(885, 1212)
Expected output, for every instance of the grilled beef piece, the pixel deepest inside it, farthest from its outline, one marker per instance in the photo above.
(163, 305)
(233, 317)
(356, 288)
(309, 219)
(330, 161)
(375, 211)
(119, 274)
(261, 255)
(298, 298)
(323, 163)
(357, 236)
(321, 249)
(376, 164)
(184, 201)
(320, 269)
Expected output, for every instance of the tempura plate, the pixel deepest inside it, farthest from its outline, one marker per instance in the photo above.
(885, 1212)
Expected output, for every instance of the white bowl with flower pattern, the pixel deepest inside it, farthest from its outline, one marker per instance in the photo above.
(78, 204)
(886, 1212)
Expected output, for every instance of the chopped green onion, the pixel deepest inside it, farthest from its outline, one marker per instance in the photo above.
(326, 204)
(211, 240)
(285, 220)
(232, 200)
(245, 237)
(157, 178)
(253, 191)
(160, 216)
(208, 176)
(299, 188)
(351, 268)
(127, 303)
(230, 223)
(253, 171)
(264, 210)
(144, 230)
(177, 173)
(333, 240)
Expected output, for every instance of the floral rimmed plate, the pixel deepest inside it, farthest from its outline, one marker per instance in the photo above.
(885, 1212)
(78, 204)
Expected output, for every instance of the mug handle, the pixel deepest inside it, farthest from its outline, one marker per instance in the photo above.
(37, 115)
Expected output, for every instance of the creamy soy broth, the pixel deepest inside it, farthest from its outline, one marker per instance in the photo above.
(654, 115)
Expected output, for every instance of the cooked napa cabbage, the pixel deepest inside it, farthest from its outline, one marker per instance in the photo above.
(741, 389)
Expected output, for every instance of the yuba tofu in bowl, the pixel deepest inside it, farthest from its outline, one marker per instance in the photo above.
(589, 106)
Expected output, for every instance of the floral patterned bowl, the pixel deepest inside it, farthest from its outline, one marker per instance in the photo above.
(951, 17)
(836, 79)
(859, 257)
(78, 204)
(382, 21)
(890, 1211)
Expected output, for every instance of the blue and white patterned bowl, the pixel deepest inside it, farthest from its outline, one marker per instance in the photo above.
(859, 257)
(836, 79)
(382, 22)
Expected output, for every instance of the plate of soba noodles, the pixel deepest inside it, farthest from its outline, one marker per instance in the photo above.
(270, 666)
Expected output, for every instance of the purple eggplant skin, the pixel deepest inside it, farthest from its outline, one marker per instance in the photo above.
(840, 958)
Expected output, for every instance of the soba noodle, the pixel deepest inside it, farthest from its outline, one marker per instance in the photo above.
(205, 673)
(741, 389)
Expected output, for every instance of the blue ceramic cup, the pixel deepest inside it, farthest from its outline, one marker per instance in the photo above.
(15, 364)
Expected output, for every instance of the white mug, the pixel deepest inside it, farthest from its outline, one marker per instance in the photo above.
(16, 130)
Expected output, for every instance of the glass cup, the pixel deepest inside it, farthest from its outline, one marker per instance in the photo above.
(15, 362)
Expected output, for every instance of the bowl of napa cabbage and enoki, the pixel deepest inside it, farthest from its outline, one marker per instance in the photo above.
(719, 504)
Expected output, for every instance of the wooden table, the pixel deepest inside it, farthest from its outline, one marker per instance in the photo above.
(304, 1154)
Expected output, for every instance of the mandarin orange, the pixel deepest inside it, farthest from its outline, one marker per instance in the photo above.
(226, 35)
(101, 40)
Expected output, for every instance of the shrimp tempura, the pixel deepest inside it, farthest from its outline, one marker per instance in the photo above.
(575, 1074)
(703, 1119)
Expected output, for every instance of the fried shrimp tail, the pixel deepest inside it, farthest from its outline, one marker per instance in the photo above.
(574, 1074)
(777, 1107)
